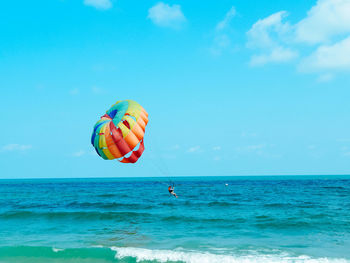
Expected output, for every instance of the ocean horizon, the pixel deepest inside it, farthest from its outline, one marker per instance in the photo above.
(215, 219)
(174, 177)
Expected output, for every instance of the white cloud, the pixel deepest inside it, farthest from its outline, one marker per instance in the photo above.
(165, 15)
(276, 55)
(226, 21)
(221, 37)
(328, 57)
(16, 147)
(267, 32)
(326, 26)
(79, 153)
(324, 20)
(99, 4)
(269, 36)
(328, 18)
(194, 149)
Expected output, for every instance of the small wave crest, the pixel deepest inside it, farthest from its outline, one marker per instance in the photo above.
(101, 254)
(163, 256)
(57, 249)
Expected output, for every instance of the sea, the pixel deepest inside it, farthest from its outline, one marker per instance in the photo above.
(214, 220)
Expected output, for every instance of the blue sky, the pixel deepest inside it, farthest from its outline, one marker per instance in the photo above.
(231, 87)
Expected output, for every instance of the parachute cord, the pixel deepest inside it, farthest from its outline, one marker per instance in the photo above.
(158, 162)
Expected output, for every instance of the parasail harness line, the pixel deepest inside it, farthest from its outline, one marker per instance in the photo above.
(163, 171)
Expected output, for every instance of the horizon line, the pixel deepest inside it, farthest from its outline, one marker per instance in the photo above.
(180, 176)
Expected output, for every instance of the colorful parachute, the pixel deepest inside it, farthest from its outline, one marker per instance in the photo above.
(119, 133)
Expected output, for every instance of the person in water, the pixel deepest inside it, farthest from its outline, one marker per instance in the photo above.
(171, 191)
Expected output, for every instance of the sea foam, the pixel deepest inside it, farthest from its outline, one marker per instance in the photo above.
(57, 249)
(142, 254)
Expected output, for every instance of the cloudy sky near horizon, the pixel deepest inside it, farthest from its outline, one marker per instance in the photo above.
(231, 87)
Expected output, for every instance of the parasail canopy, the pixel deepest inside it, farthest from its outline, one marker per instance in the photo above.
(119, 133)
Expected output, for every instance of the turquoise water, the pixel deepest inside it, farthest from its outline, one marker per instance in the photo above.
(251, 219)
